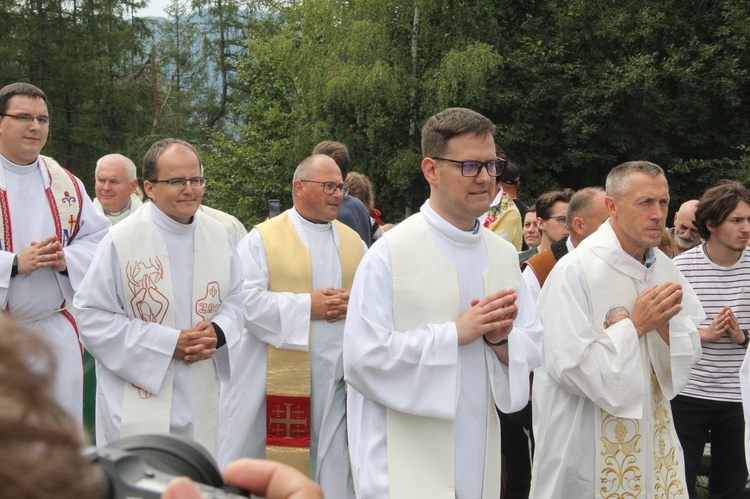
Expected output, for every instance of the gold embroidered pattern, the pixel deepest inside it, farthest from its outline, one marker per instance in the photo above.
(668, 480)
(621, 477)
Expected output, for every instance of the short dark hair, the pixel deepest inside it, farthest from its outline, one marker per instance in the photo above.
(618, 179)
(149, 166)
(450, 123)
(337, 151)
(717, 203)
(27, 89)
(546, 201)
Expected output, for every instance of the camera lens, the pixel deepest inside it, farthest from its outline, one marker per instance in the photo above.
(174, 455)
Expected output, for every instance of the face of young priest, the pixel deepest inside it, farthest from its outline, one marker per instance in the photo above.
(22, 142)
(638, 215)
(112, 187)
(458, 199)
(310, 200)
(178, 203)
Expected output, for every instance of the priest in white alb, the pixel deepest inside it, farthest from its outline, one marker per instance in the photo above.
(440, 330)
(161, 307)
(49, 230)
(288, 394)
(115, 186)
(620, 335)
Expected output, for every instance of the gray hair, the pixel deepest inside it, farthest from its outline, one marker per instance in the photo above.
(130, 169)
(618, 180)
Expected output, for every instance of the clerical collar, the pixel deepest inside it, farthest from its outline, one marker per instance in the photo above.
(117, 213)
(310, 222)
(462, 237)
(15, 166)
(167, 223)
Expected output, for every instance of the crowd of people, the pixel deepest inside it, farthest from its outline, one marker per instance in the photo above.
(481, 348)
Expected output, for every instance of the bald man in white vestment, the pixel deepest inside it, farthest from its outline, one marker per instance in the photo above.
(440, 330)
(161, 307)
(602, 417)
(298, 269)
(49, 231)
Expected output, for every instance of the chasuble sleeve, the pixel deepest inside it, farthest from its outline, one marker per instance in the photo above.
(137, 351)
(280, 319)
(603, 367)
(413, 371)
(510, 384)
(230, 317)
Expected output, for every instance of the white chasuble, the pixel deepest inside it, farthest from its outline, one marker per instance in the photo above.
(421, 450)
(634, 456)
(149, 296)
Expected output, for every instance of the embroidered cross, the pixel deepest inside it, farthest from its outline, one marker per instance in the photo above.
(289, 427)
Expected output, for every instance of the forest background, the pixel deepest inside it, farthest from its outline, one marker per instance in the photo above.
(575, 87)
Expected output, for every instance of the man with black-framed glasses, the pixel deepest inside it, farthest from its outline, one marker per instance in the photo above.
(439, 331)
(161, 308)
(49, 230)
(287, 400)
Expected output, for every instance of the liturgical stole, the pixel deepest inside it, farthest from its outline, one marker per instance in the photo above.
(65, 203)
(421, 450)
(633, 454)
(288, 371)
(148, 296)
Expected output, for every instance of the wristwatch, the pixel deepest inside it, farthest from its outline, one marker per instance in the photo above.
(747, 338)
(498, 344)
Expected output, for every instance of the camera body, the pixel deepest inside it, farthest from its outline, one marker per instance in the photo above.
(141, 467)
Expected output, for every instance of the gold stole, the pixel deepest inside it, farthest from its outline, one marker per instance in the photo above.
(65, 202)
(288, 371)
(421, 450)
(149, 296)
(634, 457)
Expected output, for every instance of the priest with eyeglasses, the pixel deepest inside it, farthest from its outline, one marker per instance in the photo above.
(161, 308)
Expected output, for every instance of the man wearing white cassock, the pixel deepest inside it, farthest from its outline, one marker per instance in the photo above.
(440, 330)
(115, 187)
(49, 230)
(620, 334)
(161, 307)
(298, 269)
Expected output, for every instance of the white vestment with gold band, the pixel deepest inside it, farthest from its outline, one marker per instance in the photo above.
(602, 420)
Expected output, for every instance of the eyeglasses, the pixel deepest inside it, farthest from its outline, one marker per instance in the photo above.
(495, 167)
(179, 183)
(28, 119)
(562, 220)
(330, 187)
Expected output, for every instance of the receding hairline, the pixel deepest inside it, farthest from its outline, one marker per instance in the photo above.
(306, 165)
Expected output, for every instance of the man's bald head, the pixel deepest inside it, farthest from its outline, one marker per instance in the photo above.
(685, 233)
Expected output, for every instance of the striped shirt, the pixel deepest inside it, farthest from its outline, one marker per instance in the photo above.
(716, 375)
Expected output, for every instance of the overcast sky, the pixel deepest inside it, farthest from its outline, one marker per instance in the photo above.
(155, 9)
